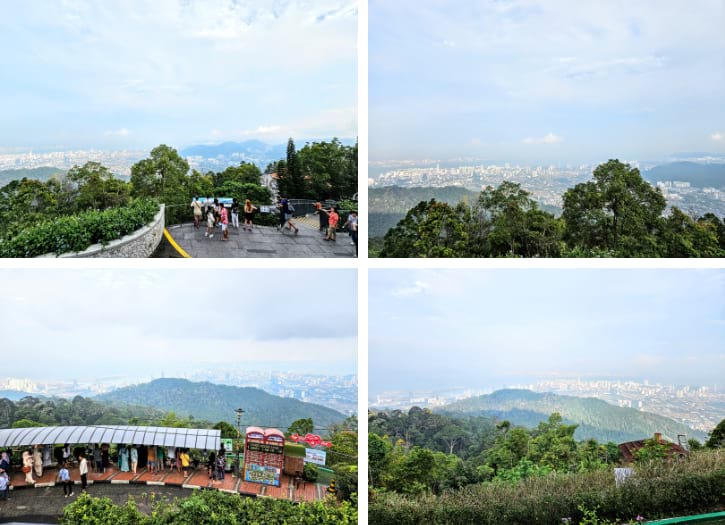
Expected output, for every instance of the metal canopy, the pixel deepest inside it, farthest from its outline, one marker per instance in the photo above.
(200, 438)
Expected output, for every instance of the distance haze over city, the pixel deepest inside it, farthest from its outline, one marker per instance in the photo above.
(131, 75)
(80, 324)
(431, 330)
(560, 82)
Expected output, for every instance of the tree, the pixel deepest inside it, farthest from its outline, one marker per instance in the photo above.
(717, 436)
(290, 182)
(378, 456)
(228, 430)
(26, 423)
(95, 187)
(301, 427)
(164, 175)
(431, 229)
(618, 210)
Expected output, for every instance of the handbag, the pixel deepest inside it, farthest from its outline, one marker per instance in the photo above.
(26, 470)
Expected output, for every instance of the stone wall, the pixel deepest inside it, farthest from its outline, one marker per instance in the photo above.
(140, 243)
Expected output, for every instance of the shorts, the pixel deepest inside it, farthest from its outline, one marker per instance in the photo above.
(152, 464)
(287, 216)
(224, 227)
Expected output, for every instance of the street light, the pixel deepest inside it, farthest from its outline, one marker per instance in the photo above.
(239, 412)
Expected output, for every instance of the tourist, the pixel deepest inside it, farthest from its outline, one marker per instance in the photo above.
(351, 225)
(210, 220)
(197, 207)
(332, 220)
(224, 219)
(64, 478)
(83, 469)
(171, 454)
(221, 463)
(287, 210)
(66, 453)
(28, 466)
(235, 213)
(47, 450)
(184, 457)
(134, 458)
(151, 459)
(160, 459)
(5, 462)
(97, 461)
(4, 485)
(105, 456)
(38, 461)
(211, 466)
(322, 217)
(249, 210)
(123, 458)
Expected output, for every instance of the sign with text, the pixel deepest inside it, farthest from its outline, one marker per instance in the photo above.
(261, 474)
(317, 457)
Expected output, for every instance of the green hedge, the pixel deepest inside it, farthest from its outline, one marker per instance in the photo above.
(209, 507)
(78, 232)
(681, 489)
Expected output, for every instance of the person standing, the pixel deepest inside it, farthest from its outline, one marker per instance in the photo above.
(97, 460)
(134, 458)
(210, 220)
(224, 219)
(160, 459)
(83, 469)
(211, 466)
(5, 462)
(249, 210)
(151, 459)
(171, 453)
(38, 461)
(235, 213)
(184, 457)
(105, 456)
(287, 212)
(197, 208)
(221, 463)
(4, 485)
(66, 453)
(332, 220)
(28, 467)
(322, 216)
(351, 225)
(64, 478)
(123, 458)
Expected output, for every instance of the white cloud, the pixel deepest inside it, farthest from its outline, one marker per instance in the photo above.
(549, 138)
(123, 132)
(717, 137)
(417, 288)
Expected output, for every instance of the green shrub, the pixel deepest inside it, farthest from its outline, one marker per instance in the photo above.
(311, 472)
(210, 507)
(77, 232)
(656, 491)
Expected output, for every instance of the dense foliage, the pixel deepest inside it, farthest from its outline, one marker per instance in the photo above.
(77, 232)
(657, 490)
(319, 171)
(616, 214)
(210, 507)
(218, 402)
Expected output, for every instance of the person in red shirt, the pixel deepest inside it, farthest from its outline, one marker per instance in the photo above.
(332, 220)
(225, 223)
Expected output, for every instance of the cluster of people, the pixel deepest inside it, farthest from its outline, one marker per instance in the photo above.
(329, 219)
(217, 215)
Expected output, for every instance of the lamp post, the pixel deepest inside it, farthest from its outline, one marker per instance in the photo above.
(239, 412)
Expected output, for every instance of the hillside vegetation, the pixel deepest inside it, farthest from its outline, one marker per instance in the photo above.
(595, 418)
(218, 402)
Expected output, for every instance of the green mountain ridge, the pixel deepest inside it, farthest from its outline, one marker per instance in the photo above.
(214, 402)
(596, 418)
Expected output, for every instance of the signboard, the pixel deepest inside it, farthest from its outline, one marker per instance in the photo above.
(317, 457)
(227, 444)
(264, 447)
(261, 474)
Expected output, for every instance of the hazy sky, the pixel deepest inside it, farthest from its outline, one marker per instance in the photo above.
(434, 329)
(546, 81)
(63, 324)
(134, 73)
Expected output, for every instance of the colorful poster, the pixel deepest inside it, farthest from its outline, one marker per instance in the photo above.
(260, 474)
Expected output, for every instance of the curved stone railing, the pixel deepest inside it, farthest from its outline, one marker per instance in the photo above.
(141, 243)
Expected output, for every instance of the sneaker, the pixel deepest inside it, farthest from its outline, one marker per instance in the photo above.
(352, 243)
(71, 494)
(65, 496)
(211, 236)
(297, 230)
(206, 234)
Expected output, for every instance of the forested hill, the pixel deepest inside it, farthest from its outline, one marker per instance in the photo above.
(596, 418)
(218, 403)
(698, 175)
(387, 206)
(42, 174)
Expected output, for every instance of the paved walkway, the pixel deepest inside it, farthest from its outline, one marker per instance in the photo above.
(262, 241)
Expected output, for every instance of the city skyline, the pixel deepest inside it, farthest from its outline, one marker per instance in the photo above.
(484, 329)
(555, 82)
(169, 322)
(131, 75)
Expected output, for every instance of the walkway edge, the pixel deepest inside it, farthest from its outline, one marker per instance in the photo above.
(173, 243)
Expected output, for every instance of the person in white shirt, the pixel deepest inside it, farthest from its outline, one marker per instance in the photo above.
(83, 468)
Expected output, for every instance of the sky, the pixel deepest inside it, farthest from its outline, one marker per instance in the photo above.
(69, 324)
(489, 329)
(131, 74)
(561, 81)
